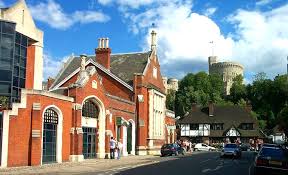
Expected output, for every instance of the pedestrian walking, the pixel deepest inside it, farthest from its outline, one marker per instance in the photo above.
(112, 148)
(119, 149)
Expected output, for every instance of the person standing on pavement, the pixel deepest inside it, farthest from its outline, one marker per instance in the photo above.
(112, 148)
(120, 147)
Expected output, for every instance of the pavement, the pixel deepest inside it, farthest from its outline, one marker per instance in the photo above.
(197, 163)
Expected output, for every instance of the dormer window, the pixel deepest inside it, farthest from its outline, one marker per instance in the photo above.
(246, 126)
(155, 72)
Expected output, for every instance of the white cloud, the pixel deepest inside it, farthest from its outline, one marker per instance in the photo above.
(105, 2)
(134, 4)
(210, 11)
(52, 66)
(260, 42)
(263, 2)
(183, 36)
(53, 14)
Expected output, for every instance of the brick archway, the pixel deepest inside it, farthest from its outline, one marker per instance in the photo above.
(99, 124)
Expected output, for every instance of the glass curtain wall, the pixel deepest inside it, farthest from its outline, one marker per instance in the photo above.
(13, 56)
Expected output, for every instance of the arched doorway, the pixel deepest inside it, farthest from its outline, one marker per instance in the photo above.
(49, 153)
(90, 114)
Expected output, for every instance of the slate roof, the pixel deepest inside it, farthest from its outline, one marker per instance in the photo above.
(122, 65)
(230, 116)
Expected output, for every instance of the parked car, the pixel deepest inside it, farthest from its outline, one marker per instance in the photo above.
(203, 147)
(231, 149)
(171, 149)
(271, 160)
(245, 147)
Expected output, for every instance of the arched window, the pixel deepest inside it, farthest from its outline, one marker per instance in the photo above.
(90, 110)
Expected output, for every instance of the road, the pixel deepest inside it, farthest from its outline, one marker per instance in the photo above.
(208, 163)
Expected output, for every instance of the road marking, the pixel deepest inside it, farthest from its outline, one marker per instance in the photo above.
(205, 170)
(250, 168)
(208, 169)
(205, 161)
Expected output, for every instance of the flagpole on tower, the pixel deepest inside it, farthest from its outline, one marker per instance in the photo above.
(212, 48)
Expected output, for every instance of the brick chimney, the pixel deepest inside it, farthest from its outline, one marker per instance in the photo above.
(103, 52)
(211, 109)
(194, 107)
(50, 81)
(248, 106)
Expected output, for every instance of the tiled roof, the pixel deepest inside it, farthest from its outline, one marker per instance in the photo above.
(230, 116)
(122, 65)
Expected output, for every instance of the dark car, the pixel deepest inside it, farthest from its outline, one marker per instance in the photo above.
(244, 147)
(171, 149)
(231, 149)
(271, 160)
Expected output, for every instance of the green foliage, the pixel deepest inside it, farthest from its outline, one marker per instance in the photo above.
(267, 96)
(262, 124)
(238, 89)
(241, 102)
(4, 101)
(254, 115)
(260, 76)
(170, 100)
(198, 88)
(283, 119)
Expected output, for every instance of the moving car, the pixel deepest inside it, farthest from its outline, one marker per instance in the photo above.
(171, 149)
(231, 149)
(271, 160)
(203, 147)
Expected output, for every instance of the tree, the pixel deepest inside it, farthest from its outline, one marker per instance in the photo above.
(198, 88)
(4, 102)
(170, 100)
(283, 120)
(260, 76)
(238, 89)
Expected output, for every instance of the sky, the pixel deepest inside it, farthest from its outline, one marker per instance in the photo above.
(250, 32)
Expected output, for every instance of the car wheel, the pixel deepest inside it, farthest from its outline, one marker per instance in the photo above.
(210, 150)
(196, 149)
(176, 153)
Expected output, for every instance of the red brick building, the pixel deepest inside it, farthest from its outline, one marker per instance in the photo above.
(91, 99)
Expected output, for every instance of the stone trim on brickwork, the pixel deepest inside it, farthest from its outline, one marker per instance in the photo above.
(90, 61)
(115, 109)
(120, 99)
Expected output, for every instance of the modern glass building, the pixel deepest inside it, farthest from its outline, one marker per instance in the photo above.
(13, 56)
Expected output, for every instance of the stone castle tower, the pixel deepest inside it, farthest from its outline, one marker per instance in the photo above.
(170, 84)
(228, 71)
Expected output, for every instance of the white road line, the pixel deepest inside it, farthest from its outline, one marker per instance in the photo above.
(205, 161)
(205, 170)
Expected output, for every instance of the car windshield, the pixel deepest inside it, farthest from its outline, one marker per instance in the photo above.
(230, 146)
(167, 146)
(272, 152)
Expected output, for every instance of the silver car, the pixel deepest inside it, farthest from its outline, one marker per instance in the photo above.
(231, 149)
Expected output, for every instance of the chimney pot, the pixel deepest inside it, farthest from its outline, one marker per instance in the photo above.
(211, 109)
(99, 42)
(194, 107)
(107, 42)
(103, 53)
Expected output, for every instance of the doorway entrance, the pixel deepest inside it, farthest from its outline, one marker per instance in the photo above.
(89, 142)
(129, 138)
(49, 136)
